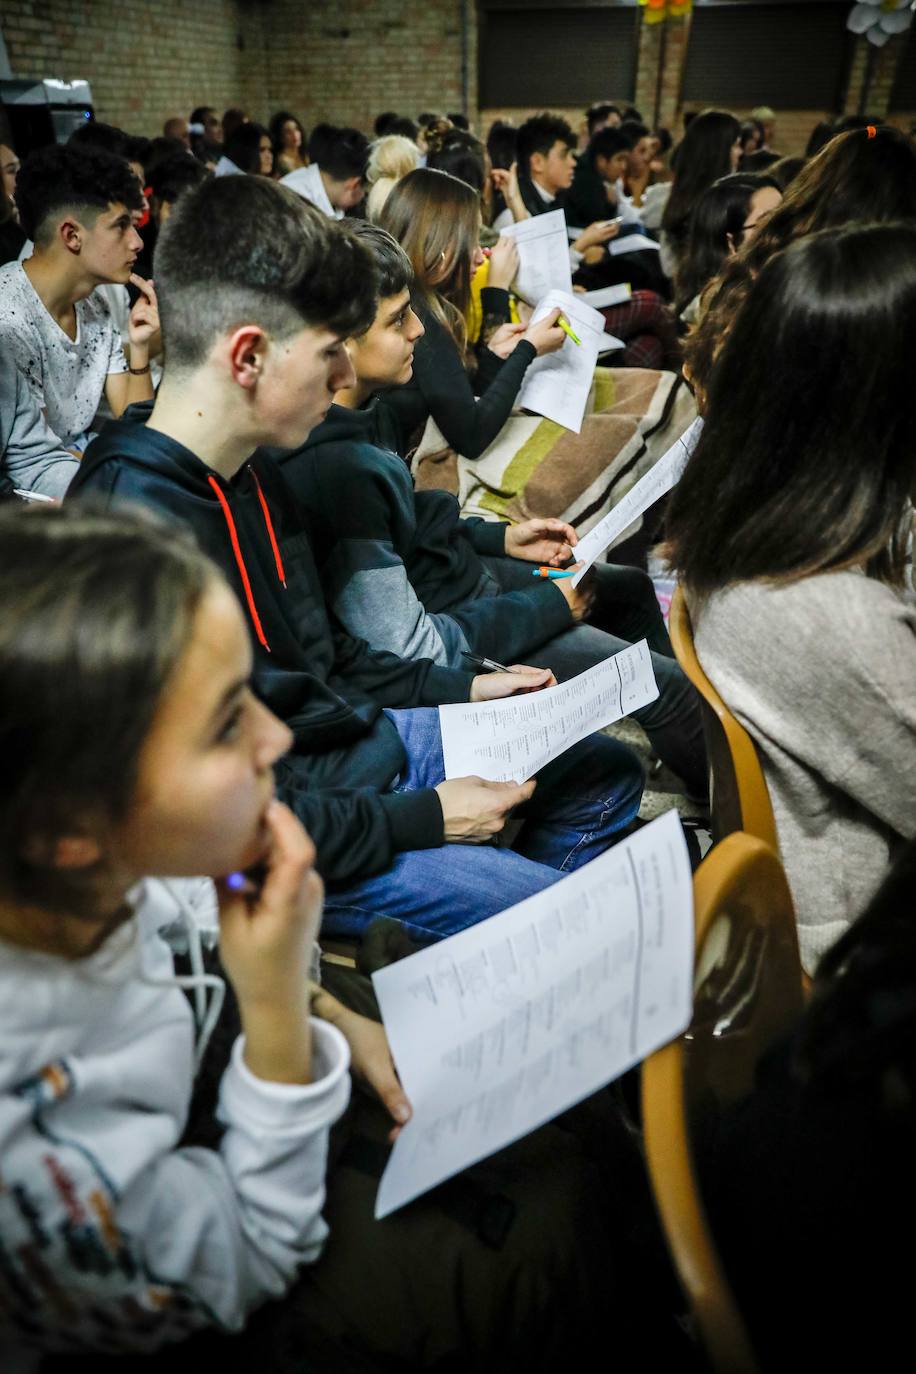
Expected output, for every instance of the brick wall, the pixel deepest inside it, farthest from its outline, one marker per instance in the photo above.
(347, 62)
(144, 62)
(342, 60)
(324, 60)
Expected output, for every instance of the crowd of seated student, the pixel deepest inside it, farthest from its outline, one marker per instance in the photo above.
(353, 604)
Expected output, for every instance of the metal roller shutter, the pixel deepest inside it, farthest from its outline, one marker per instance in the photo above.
(903, 96)
(541, 57)
(791, 56)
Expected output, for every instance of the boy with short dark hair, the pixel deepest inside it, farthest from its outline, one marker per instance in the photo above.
(259, 294)
(546, 164)
(602, 115)
(335, 179)
(598, 169)
(169, 179)
(77, 204)
(401, 569)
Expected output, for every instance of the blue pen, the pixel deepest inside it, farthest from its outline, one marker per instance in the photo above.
(553, 573)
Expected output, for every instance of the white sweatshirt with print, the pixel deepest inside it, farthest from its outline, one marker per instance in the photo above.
(111, 1238)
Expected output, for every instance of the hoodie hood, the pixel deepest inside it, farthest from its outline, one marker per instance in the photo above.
(372, 424)
(251, 528)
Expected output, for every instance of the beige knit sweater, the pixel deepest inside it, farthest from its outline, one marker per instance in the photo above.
(822, 673)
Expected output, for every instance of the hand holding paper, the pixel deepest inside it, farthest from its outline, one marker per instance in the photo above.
(541, 541)
(557, 387)
(511, 739)
(659, 479)
(515, 681)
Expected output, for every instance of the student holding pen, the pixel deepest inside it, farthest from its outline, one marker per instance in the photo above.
(402, 571)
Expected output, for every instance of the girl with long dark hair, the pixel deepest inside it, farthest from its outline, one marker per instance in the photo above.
(711, 148)
(789, 529)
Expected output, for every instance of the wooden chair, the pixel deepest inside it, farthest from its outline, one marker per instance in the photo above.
(747, 995)
(738, 796)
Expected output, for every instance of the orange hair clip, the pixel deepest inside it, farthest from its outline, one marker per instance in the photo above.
(871, 130)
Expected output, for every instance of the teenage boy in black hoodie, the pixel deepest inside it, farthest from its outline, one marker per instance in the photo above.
(401, 570)
(260, 291)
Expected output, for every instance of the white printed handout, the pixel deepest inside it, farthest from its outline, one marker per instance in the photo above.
(631, 243)
(607, 296)
(610, 344)
(543, 255)
(500, 1028)
(661, 477)
(557, 385)
(510, 739)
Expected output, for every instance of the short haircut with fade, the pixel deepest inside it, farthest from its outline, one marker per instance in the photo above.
(538, 135)
(395, 272)
(85, 180)
(246, 250)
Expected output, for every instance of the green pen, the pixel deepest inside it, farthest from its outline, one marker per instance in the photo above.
(566, 330)
(553, 573)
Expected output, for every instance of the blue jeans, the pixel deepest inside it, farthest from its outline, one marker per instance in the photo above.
(582, 800)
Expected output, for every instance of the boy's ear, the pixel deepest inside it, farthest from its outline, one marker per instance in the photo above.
(536, 163)
(70, 231)
(246, 349)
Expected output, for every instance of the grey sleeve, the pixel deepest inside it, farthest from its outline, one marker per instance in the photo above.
(32, 455)
(373, 599)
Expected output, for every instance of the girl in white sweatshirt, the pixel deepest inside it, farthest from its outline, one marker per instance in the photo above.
(132, 746)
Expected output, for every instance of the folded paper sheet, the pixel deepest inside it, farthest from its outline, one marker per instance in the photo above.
(500, 1028)
(557, 385)
(509, 740)
(659, 479)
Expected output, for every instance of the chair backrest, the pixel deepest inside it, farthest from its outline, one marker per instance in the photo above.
(738, 796)
(747, 995)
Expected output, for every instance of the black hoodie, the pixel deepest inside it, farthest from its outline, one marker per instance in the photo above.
(374, 528)
(328, 687)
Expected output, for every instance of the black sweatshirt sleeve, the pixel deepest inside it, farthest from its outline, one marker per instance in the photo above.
(469, 425)
(358, 831)
(486, 536)
(397, 682)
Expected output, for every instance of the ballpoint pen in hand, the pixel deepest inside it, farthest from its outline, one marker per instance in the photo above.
(489, 665)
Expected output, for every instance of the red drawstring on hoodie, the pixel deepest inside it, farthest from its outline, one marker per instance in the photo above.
(270, 528)
(240, 562)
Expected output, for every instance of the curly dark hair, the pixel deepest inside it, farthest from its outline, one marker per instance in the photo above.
(538, 135)
(83, 179)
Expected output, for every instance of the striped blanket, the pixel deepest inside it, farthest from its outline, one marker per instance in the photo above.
(536, 467)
